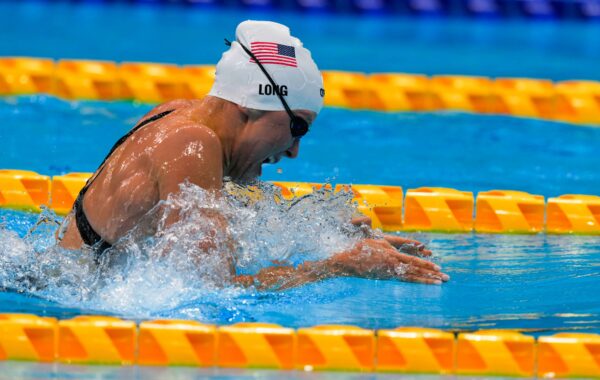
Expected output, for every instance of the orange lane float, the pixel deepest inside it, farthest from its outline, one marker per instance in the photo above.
(110, 340)
(525, 97)
(573, 213)
(505, 211)
(578, 101)
(432, 209)
(151, 82)
(87, 80)
(27, 337)
(495, 352)
(401, 92)
(335, 347)
(574, 101)
(569, 355)
(256, 345)
(177, 342)
(438, 209)
(453, 92)
(23, 189)
(97, 340)
(26, 76)
(415, 350)
(346, 89)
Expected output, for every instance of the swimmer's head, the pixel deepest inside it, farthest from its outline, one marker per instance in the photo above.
(241, 81)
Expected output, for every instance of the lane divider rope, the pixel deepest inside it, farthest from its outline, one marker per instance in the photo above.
(431, 209)
(575, 101)
(110, 340)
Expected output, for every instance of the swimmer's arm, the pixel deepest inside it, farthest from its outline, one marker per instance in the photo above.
(285, 277)
(369, 258)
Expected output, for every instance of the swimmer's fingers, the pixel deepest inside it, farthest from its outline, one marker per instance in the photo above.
(410, 246)
(426, 273)
(413, 269)
(417, 262)
(416, 250)
(398, 241)
(422, 280)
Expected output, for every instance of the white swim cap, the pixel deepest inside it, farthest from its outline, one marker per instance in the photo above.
(241, 81)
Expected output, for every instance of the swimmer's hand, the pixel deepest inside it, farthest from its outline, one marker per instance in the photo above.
(377, 259)
(370, 258)
(410, 246)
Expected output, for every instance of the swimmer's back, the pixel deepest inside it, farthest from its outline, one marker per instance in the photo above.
(126, 188)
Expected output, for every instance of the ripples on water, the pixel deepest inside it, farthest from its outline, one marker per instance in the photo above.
(531, 282)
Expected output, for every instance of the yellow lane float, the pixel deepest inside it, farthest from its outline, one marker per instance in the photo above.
(26, 76)
(578, 101)
(28, 337)
(495, 352)
(572, 213)
(335, 347)
(438, 209)
(401, 92)
(569, 355)
(472, 94)
(97, 340)
(571, 101)
(151, 82)
(431, 209)
(87, 80)
(506, 211)
(415, 350)
(256, 345)
(176, 342)
(110, 340)
(346, 89)
(23, 189)
(525, 97)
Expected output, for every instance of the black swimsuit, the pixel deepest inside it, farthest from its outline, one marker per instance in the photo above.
(88, 234)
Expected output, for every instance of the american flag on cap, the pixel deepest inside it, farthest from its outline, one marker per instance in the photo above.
(274, 54)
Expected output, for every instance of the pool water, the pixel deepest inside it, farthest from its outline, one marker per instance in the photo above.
(537, 283)
(540, 284)
(184, 35)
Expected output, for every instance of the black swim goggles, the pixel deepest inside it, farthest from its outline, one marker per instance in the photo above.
(298, 126)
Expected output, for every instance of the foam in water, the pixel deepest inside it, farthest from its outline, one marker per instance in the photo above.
(164, 270)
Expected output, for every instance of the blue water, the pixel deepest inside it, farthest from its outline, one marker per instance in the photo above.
(539, 284)
(468, 152)
(536, 283)
(129, 32)
(36, 371)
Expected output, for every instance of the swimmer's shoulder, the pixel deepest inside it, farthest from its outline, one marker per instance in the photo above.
(183, 134)
(172, 105)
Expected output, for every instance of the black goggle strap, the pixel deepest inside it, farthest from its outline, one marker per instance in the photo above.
(262, 68)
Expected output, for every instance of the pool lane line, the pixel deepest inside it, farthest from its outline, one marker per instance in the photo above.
(572, 101)
(426, 209)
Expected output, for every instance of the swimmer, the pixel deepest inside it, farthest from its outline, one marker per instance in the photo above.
(267, 92)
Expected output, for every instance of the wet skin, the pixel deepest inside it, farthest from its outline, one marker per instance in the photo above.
(203, 141)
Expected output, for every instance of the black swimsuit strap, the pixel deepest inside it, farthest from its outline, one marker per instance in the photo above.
(88, 234)
(121, 141)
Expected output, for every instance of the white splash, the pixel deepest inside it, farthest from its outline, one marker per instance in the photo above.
(160, 269)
